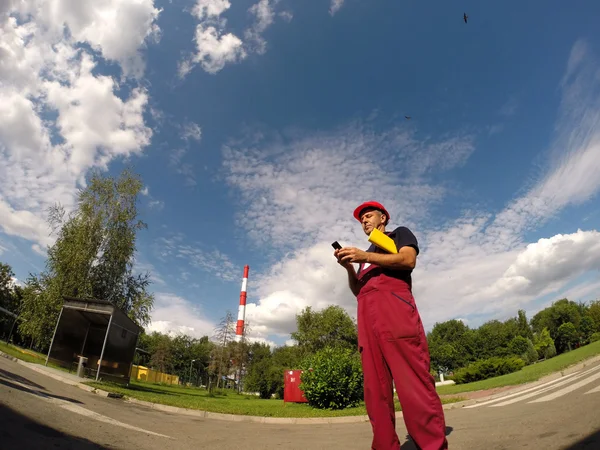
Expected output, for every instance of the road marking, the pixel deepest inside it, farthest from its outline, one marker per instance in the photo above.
(538, 389)
(568, 389)
(597, 389)
(520, 392)
(65, 404)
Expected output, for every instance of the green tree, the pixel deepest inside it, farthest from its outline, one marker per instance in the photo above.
(10, 300)
(263, 375)
(330, 327)
(284, 358)
(523, 325)
(451, 345)
(594, 313)
(586, 329)
(92, 256)
(560, 312)
(518, 345)
(544, 344)
(445, 358)
(531, 355)
(567, 337)
(162, 354)
(492, 338)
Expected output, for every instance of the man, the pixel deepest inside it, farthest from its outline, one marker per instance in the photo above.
(391, 337)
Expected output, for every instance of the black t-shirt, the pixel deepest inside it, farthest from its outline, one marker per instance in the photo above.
(402, 237)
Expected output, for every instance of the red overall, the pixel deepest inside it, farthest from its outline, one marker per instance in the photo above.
(393, 345)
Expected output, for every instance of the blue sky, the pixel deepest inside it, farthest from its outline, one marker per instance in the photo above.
(258, 125)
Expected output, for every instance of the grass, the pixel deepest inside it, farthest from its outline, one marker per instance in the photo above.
(27, 355)
(228, 402)
(529, 373)
(21, 353)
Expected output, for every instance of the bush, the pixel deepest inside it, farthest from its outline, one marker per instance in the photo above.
(332, 379)
(595, 337)
(531, 355)
(549, 351)
(518, 346)
(488, 368)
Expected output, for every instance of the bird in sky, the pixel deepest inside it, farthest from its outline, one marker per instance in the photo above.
(407, 117)
(465, 17)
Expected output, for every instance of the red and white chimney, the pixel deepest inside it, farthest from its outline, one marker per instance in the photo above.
(239, 329)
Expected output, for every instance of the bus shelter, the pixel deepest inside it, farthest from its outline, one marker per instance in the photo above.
(96, 335)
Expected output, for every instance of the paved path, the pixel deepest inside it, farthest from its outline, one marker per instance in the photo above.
(38, 412)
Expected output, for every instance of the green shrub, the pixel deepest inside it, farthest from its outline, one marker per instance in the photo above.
(595, 337)
(531, 355)
(332, 379)
(518, 346)
(488, 368)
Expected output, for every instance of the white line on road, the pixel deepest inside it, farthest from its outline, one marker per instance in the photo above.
(597, 389)
(520, 392)
(568, 389)
(84, 412)
(549, 388)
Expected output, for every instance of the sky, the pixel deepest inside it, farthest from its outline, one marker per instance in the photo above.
(258, 126)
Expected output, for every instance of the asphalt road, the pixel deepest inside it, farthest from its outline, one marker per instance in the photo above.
(38, 412)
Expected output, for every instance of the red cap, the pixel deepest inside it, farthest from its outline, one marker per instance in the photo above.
(371, 204)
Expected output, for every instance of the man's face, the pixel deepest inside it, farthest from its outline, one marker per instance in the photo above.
(372, 219)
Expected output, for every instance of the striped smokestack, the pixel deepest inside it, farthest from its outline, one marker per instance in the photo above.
(239, 329)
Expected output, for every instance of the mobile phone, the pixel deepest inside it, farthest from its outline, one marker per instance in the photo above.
(336, 245)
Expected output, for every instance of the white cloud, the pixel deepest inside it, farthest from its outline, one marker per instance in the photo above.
(118, 29)
(184, 168)
(214, 47)
(297, 198)
(59, 116)
(305, 181)
(336, 5)
(552, 260)
(204, 9)
(191, 130)
(173, 315)
(156, 204)
(264, 17)
(213, 261)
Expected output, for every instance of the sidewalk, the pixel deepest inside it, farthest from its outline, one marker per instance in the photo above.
(473, 397)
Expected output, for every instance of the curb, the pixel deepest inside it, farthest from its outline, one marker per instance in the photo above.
(65, 380)
(254, 419)
(296, 420)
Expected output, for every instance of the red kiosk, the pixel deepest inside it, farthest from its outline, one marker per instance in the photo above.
(291, 387)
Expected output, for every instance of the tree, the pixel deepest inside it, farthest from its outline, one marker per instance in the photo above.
(10, 300)
(262, 374)
(518, 345)
(523, 325)
(221, 356)
(331, 327)
(544, 344)
(451, 345)
(92, 256)
(445, 357)
(162, 355)
(492, 338)
(586, 329)
(594, 313)
(567, 337)
(560, 312)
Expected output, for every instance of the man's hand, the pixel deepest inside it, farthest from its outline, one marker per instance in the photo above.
(349, 255)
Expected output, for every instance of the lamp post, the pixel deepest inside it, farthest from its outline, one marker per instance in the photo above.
(190, 379)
